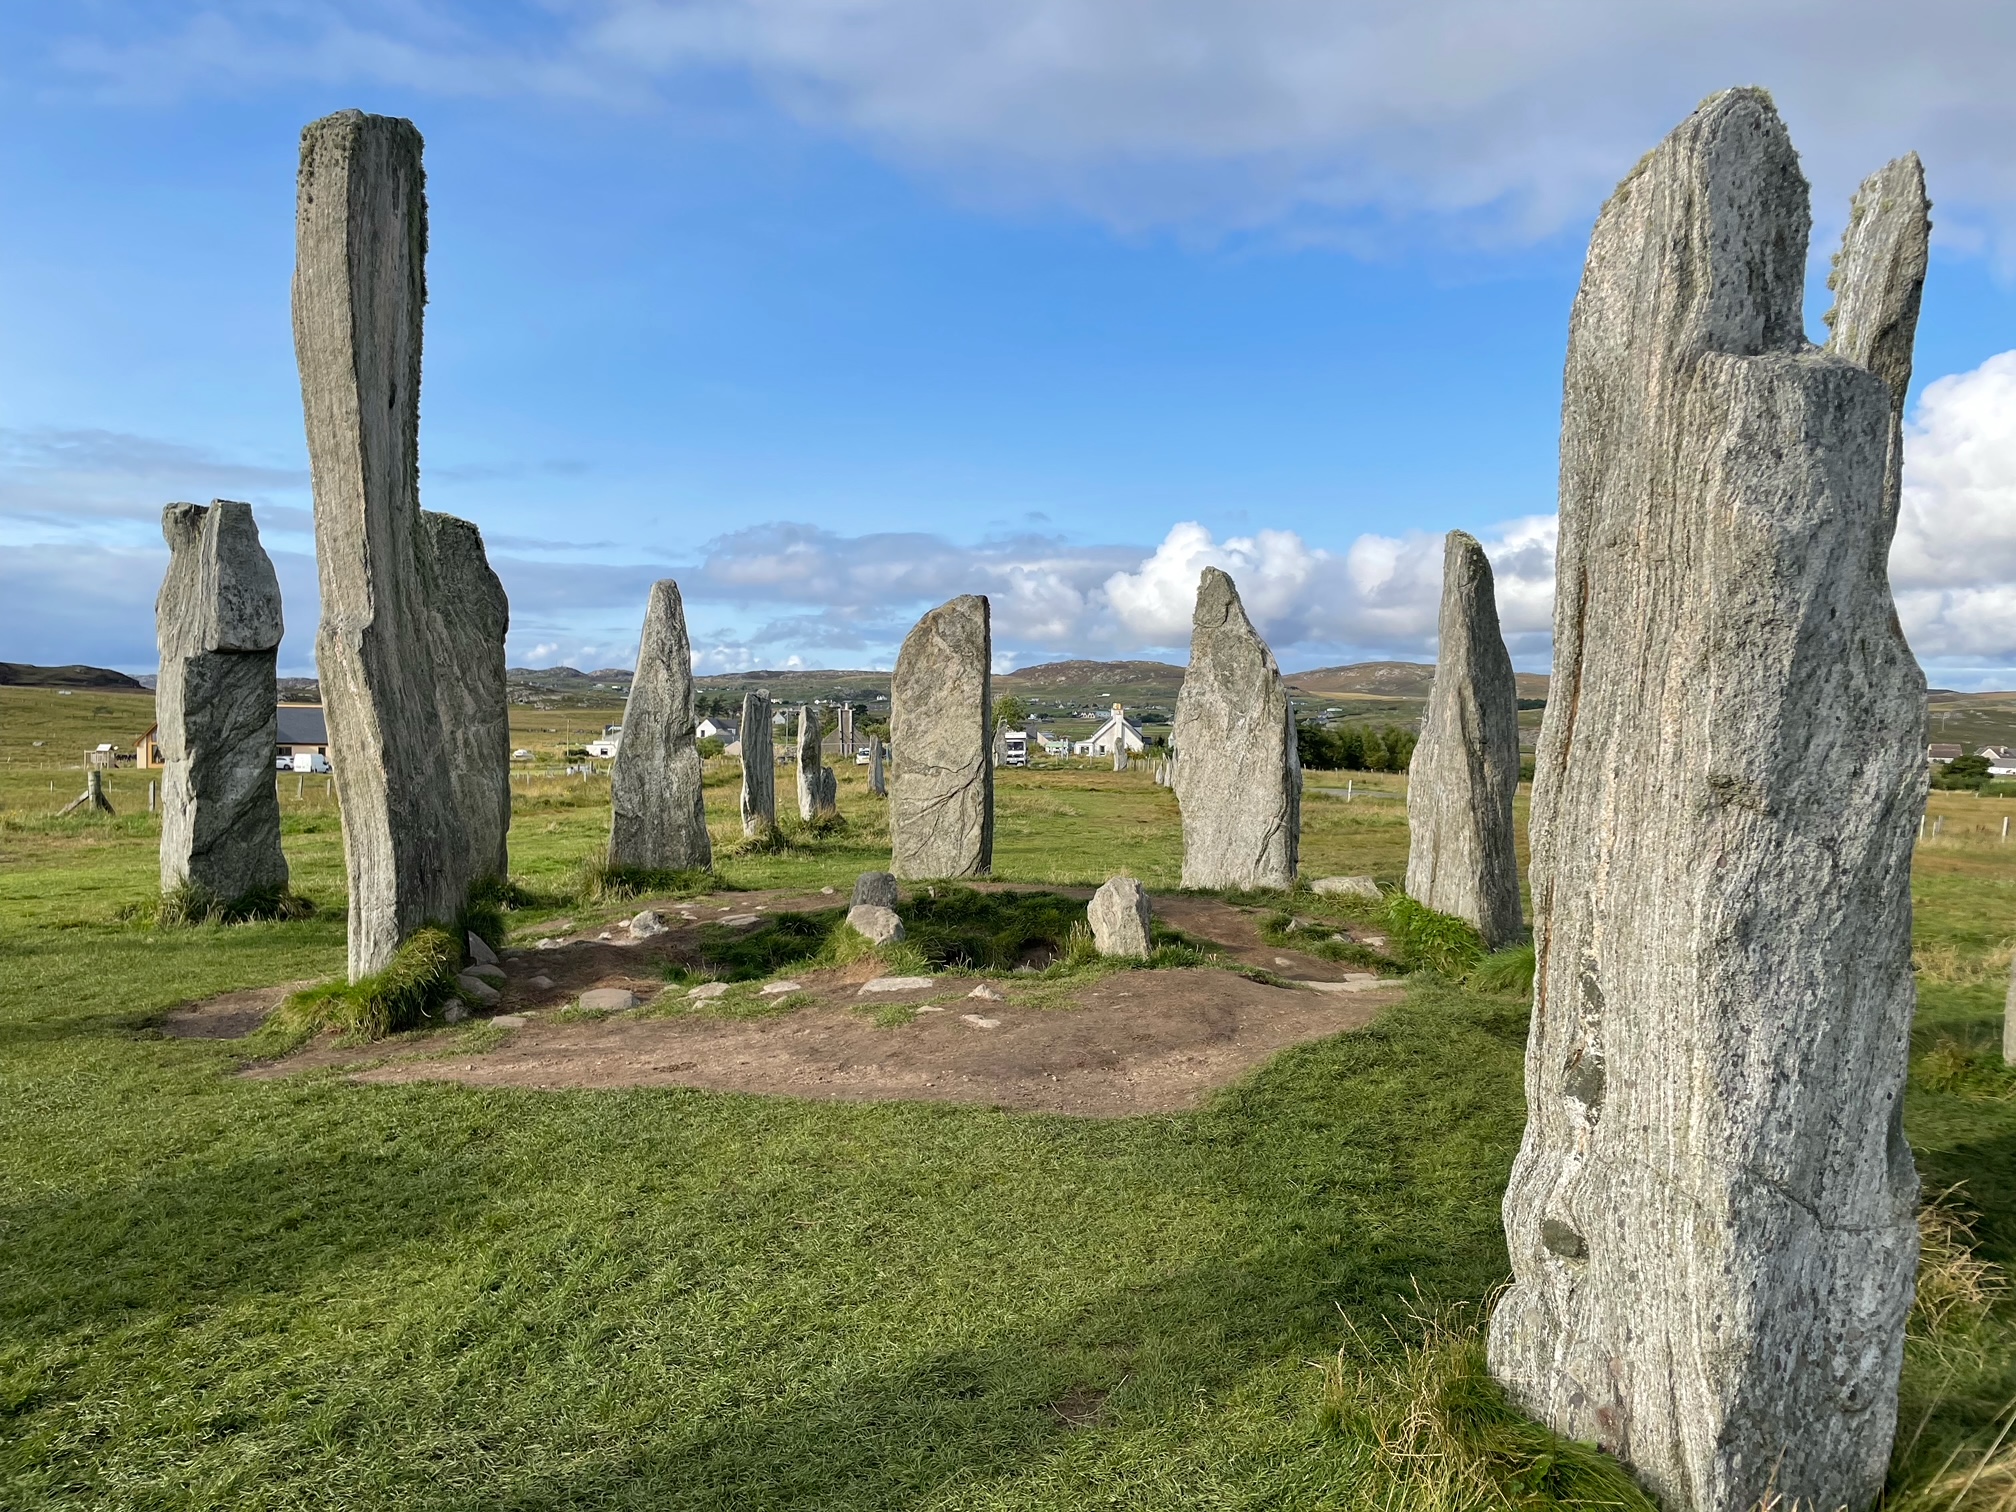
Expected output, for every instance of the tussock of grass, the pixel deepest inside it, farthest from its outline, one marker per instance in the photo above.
(1424, 940)
(602, 881)
(1956, 1438)
(1442, 1434)
(1504, 973)
(185, 904)
(420, 977)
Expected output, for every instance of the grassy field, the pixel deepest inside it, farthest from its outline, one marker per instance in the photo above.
(217, 1292)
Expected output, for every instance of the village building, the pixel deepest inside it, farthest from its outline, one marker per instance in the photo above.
(302, 731)
(727, 731)
(1939, 754)
(1117, 734)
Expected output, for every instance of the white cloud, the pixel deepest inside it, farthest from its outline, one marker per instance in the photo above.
(1954, 562)
(1475, 116)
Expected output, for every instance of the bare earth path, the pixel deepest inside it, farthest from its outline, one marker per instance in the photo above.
(1134, 1042)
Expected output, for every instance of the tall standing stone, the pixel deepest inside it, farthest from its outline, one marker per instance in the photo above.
(1465, 772)
(1239, 783)
(759, 766)
(658, 814)
(470, 617)
(941, 789)
(878, 782)
(815, 796)
(1711, 1217)
(359, 290)
(218, 625)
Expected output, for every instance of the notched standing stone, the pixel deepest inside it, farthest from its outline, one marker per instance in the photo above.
(1239, 782)
(471, 617)
(1465, 771)
(359, 292)
(941, 782)
(1711, 1217)
(658, 815)
(759, 766)
(218, 625)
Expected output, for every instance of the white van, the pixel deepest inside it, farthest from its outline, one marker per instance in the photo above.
(313, 761)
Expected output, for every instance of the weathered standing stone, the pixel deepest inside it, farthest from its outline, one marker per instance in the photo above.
(815, 796)
(759, 766)
(658, 816)
(1119, 914)
(1239, 782)
(359, 289)
(1460, 857)
(470, 616)
(2009, 1021)
(941, 801)
(1711, 1217)
(878, 781)
(218, 625)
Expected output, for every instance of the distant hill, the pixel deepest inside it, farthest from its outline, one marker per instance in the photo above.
(24, 675)
(1391, 679)
(1143, 675)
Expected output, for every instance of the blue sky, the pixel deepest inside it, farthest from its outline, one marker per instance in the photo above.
(832, 312)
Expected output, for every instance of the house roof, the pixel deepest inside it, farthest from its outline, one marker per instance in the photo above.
(302, 725)
(1938, 752)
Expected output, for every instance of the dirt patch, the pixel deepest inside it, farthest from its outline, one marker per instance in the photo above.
(1130, 1043)
(1136, 1042)
(231, 1016)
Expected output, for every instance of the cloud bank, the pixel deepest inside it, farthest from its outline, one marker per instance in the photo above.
(1365, 122)
(80, 563)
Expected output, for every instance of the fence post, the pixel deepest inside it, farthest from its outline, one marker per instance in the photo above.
(151, 788)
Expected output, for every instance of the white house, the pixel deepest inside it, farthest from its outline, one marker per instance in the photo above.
(2001, 759)
(1053, 744)
(602, 750)
(1117, 733)
(723, 730)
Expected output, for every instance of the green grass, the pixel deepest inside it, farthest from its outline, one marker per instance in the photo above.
(305, 1292)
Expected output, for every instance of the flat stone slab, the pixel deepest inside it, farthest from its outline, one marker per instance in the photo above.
(608, 999)
(978, 1022)
(509, 1021)
(1350, 984)
(899, 984)
(778, 989)
(707, 991)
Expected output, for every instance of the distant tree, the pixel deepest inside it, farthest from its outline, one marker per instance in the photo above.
(1010, 710)
(1962, 772)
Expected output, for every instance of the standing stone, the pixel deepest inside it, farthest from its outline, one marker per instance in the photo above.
(877, 889)
(941, 802)
(815, 798)
(2009, 1020)
(759, 766)
(658, 815)
(359, 289)
(1239, 783)
(470, 616)
(1711, 1216)
(1119, 914)
(218, 625)
(1460, 856)
(878, 782)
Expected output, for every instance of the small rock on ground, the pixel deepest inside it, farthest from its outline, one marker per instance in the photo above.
(736, 921)
(608, 999)
(509, 1021)
(877, 888)
(978, 1022)
(1119, 914)
(707, 991)
(1349, 887)
(988, 993)
(875, 923)
(480, 951)
(825, 892)
(454, 1013)
(492, 974)
(476, 989)
(647, 923)
(540, 983)
(777, 989)
(899, 984)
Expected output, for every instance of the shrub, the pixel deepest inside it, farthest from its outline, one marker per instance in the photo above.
(186, 904)
(1507, 972)
(602, 881)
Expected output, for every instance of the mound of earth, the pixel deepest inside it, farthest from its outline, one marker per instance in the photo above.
(1125, 1044)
